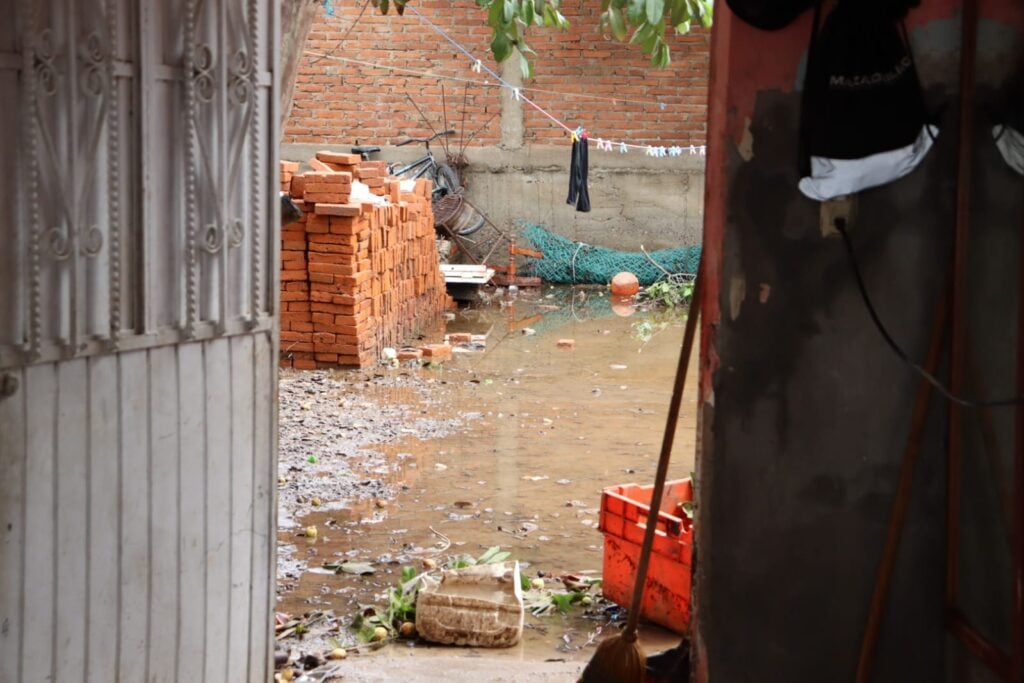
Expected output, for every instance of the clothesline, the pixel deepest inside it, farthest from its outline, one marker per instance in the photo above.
(602, 144)
(483, 83)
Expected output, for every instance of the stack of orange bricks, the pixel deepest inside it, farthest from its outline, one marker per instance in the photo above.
(355, 278)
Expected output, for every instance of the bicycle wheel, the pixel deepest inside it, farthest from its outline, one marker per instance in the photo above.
(447, 179)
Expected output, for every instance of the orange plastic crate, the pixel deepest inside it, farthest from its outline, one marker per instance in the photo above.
(624, 513)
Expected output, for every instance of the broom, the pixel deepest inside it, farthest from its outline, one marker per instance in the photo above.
(619, 659)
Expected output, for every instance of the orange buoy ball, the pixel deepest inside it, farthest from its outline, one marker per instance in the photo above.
(625, 284)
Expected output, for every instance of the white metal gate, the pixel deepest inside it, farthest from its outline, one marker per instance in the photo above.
(137, 346)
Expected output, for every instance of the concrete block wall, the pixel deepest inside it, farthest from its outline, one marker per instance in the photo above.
(355, 277)
(636, 200)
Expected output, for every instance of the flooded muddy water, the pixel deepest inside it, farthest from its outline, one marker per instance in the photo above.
(528, 435)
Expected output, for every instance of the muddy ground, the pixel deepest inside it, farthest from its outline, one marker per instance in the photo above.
(507, 445)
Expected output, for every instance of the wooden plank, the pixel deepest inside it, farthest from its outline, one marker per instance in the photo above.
(134, 376)
(164, 486)
(462, 267)
(219, 399)
(463, 280)
(12, 530)
(192, 512)
(72, 504)
(103, 515)
(40, 589)
(466, 274)
(263, 505)
(237, 653)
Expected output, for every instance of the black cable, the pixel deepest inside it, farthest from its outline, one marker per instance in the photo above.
(840, 225)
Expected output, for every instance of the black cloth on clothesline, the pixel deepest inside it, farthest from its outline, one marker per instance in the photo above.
(578, 193)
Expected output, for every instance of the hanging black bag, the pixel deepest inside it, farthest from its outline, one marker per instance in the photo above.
(1009, 132)
(770, 15)
(864, 121)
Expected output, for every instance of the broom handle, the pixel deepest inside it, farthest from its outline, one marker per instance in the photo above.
(629, 633)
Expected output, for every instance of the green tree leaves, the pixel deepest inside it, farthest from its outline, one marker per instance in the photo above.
(649, 19)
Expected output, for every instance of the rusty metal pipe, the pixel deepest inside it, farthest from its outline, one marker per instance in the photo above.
(1017, 496)
(901, 500)
(978, 645)
(958, 351)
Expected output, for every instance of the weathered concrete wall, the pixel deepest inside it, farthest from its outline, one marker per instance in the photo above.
(806, 412)
(636, 200)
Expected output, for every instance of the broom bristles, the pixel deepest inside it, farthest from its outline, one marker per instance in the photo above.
(617, 660)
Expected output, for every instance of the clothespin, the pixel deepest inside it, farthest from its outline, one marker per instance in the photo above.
(622, 148)
(703, 150)
(662, 105)
(478, 66)
(675, 151)
(662, 152)
(516, 95)
(573, 136)
(693, 150)
(650, 151)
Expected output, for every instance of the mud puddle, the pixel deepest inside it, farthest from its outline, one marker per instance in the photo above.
(508, 446)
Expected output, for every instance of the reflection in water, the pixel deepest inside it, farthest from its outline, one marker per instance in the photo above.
(554, 428)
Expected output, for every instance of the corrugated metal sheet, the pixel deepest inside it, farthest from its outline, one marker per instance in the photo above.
(137, 345)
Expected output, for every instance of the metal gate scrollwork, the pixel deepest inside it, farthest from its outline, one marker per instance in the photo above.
(89, 73)
(221, 109)
(67, 73)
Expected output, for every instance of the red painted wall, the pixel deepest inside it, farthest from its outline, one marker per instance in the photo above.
(804, 411)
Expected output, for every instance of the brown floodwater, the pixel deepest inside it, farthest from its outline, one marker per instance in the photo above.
(547, 429)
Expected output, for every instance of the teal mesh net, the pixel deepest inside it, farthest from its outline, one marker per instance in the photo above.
(568, 262)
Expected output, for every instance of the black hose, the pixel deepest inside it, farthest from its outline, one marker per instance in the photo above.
(840, 225)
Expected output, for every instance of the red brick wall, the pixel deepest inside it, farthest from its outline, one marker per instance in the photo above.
(339, 103)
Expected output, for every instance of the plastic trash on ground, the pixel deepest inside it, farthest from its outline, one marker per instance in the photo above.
(478, 606)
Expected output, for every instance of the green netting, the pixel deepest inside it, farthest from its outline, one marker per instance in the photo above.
(568, 262)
